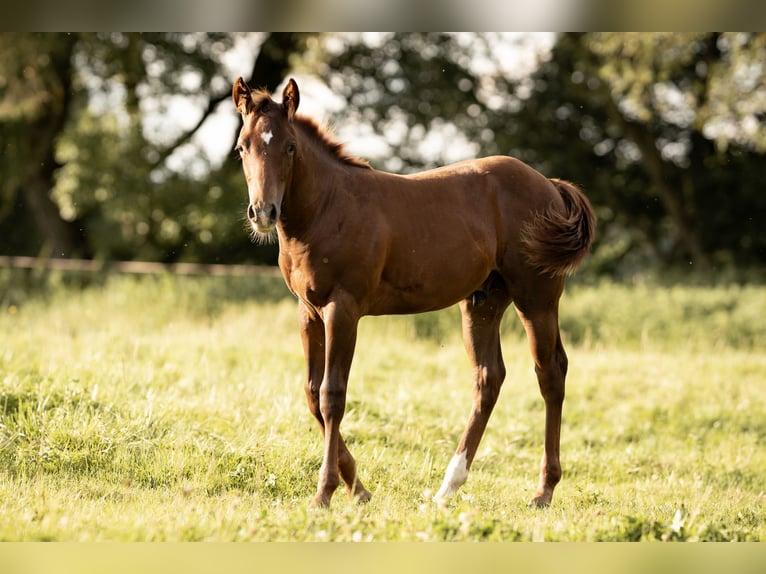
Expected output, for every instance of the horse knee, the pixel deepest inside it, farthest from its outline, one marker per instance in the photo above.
(332, 402)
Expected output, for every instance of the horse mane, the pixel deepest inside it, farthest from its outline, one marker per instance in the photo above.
(323, 136)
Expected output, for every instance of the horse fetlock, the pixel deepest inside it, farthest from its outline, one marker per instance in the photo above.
(549, 478)
(454, 477)
(324, 494)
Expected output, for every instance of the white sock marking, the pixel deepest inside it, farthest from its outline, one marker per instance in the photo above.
(456, 475)
(266, 137)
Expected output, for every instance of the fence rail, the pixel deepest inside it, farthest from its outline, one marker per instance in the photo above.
(135, 267)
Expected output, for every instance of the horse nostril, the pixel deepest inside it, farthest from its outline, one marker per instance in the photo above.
(250, 211)
(273, 213)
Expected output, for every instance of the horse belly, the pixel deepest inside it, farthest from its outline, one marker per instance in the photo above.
(430, 283)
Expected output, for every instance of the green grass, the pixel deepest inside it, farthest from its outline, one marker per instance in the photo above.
(164, 408)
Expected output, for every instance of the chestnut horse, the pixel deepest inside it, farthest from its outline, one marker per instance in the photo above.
(355, 241)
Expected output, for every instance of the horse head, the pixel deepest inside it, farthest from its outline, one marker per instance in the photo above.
(267, 147)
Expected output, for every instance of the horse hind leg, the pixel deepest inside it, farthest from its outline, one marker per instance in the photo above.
(347, 469)
(481, 315)
(540, 320)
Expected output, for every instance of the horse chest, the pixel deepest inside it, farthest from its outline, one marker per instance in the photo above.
(306, 280)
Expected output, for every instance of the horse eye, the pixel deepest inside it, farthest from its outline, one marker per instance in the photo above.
(291, 148)
(239, 149)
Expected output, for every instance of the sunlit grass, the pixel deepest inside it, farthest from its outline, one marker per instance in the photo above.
(173, 409)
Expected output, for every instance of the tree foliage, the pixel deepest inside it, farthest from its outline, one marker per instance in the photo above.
(87, 102)
(693, 104)
(664, 132)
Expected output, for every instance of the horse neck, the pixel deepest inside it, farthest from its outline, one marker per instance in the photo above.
(312, 187)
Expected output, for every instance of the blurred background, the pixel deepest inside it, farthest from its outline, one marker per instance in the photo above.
(119, 147)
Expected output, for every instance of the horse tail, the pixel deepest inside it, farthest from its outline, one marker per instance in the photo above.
(557, 240)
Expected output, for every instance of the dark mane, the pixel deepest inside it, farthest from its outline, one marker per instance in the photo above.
(322, 136)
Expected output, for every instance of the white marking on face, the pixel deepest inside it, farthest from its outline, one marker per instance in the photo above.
(266, 137)
(456, 475)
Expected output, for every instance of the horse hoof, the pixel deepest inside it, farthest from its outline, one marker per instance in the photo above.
(319, 503)
(363, 496)
(539, 502)
(360, 493)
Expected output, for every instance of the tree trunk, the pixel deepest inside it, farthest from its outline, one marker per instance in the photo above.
(268, 71)
(272, 62)
(670, 189)
(61, 238)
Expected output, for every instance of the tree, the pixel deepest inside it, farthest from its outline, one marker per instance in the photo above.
(692, 104)
(81, 168)
(35, 100)
(661, 130)
(414, 88)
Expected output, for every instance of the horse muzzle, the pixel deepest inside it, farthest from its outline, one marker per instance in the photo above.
(262, 217)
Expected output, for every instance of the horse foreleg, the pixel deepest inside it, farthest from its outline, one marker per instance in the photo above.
(481, 335)
(328, 403)
(313, 338)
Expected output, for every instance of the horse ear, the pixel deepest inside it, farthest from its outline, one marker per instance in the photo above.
(240, 93)
(290, 99)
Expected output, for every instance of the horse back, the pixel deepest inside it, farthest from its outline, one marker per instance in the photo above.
(446, 230)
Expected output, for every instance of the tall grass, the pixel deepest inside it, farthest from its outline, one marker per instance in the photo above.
(167, 408)
(732, 316)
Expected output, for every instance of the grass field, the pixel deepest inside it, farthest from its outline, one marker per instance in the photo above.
(171, 409)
